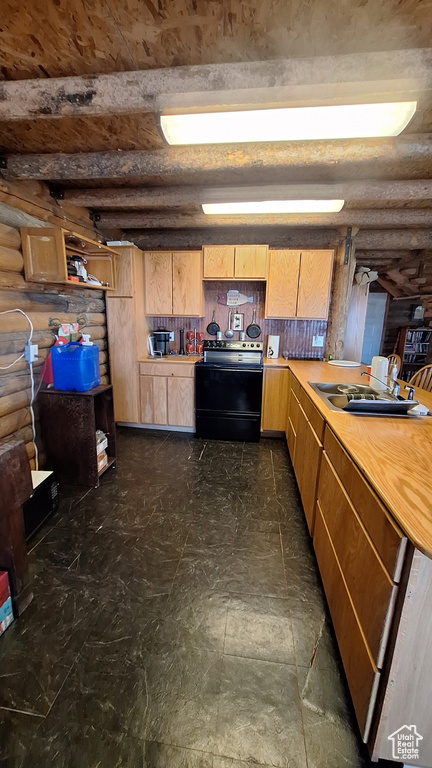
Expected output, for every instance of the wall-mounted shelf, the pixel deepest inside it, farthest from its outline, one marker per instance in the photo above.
(46, 253)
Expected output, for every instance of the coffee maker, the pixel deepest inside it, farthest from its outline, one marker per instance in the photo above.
(158, 343)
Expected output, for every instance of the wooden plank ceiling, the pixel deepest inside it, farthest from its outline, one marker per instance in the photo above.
(153, 192)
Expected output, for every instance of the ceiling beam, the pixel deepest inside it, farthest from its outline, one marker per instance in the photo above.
(278, 237)
(192, 239)
(167, 197)
(391, 288)
(381, 255)
(353, 76)
(404, 155)
(354, 217)
(397, 239)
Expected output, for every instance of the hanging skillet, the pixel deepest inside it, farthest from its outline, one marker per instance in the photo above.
(253, 330)
(213, 327)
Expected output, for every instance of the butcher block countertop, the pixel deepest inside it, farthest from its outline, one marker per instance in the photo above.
(394, 454)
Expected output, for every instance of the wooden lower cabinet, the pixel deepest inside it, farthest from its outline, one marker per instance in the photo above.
(406, 698)
(167, 398)
(274, 402)
(371, 589)
(153, 397)
(305, 449)
(360, 669)
(307, 461)
(378, 586)
(181, 401)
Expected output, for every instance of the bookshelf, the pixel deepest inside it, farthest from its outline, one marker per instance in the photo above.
(413, 346)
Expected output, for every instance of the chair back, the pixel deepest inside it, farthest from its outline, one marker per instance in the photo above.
(422, 378)
(395, 360)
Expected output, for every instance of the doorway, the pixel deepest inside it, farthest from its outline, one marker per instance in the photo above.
(375, 314)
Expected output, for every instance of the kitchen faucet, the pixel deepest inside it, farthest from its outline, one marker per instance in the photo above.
(393, 390)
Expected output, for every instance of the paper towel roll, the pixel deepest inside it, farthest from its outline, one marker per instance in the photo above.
(273, 346)
(379, 368)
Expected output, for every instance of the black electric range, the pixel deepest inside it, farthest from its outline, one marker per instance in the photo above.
(228, 390)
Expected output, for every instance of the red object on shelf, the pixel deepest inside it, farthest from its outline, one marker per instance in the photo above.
(6, 611)
(73, 279)
(4, 587)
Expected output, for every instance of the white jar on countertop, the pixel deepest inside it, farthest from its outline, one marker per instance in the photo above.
(379, 369)
(273, 346)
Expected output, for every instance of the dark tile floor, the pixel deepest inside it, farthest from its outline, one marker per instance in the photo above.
(176, 612)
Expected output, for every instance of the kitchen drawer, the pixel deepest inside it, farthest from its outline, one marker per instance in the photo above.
(161, 368)
(293, 420)
(371, 590)
(295, 386)
(387, 537)
(307, 461)
(361, 672)
(313, 414)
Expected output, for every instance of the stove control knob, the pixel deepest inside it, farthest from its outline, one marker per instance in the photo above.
(252, 345)
(244, 345)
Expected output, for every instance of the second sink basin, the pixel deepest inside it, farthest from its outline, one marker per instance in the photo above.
(345, 389)
(381, 403)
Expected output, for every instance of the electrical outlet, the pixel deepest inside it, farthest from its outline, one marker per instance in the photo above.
(171, 336)
(318, 341)
(31, 352)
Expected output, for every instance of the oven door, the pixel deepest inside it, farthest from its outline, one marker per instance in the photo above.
(224, 389)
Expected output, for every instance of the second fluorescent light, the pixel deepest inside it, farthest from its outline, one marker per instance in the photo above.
(275, 206)
(345, 121)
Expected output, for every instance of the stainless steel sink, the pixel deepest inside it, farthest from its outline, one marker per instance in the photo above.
(379, 403)
(338, 389)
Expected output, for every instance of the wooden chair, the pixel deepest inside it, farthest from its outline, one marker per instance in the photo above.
(422, 378)
(395, 359)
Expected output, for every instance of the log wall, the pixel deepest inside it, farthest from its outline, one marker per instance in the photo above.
(43, 304)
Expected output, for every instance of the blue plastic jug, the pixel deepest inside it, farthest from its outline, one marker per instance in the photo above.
(75, 367)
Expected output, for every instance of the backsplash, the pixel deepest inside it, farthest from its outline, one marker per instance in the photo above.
(296, 335)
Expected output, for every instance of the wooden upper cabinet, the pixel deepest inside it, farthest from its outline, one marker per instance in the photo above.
(282, 283)
(218, 261)
(44, 255)
(158, 283)
(187, 291)
(125, 284)
(243, 262)
(316, 270)
(48, 250)
(251, 261)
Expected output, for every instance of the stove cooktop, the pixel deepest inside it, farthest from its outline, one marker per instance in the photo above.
(233, 346)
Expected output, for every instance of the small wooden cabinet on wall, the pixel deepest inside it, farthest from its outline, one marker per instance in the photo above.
(46, 252)
(173, 284)
(242, 262)
(167, 394)
(299, 284)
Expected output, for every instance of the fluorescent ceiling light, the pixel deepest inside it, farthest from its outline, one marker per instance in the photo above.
(347, 121)
(276, 206)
